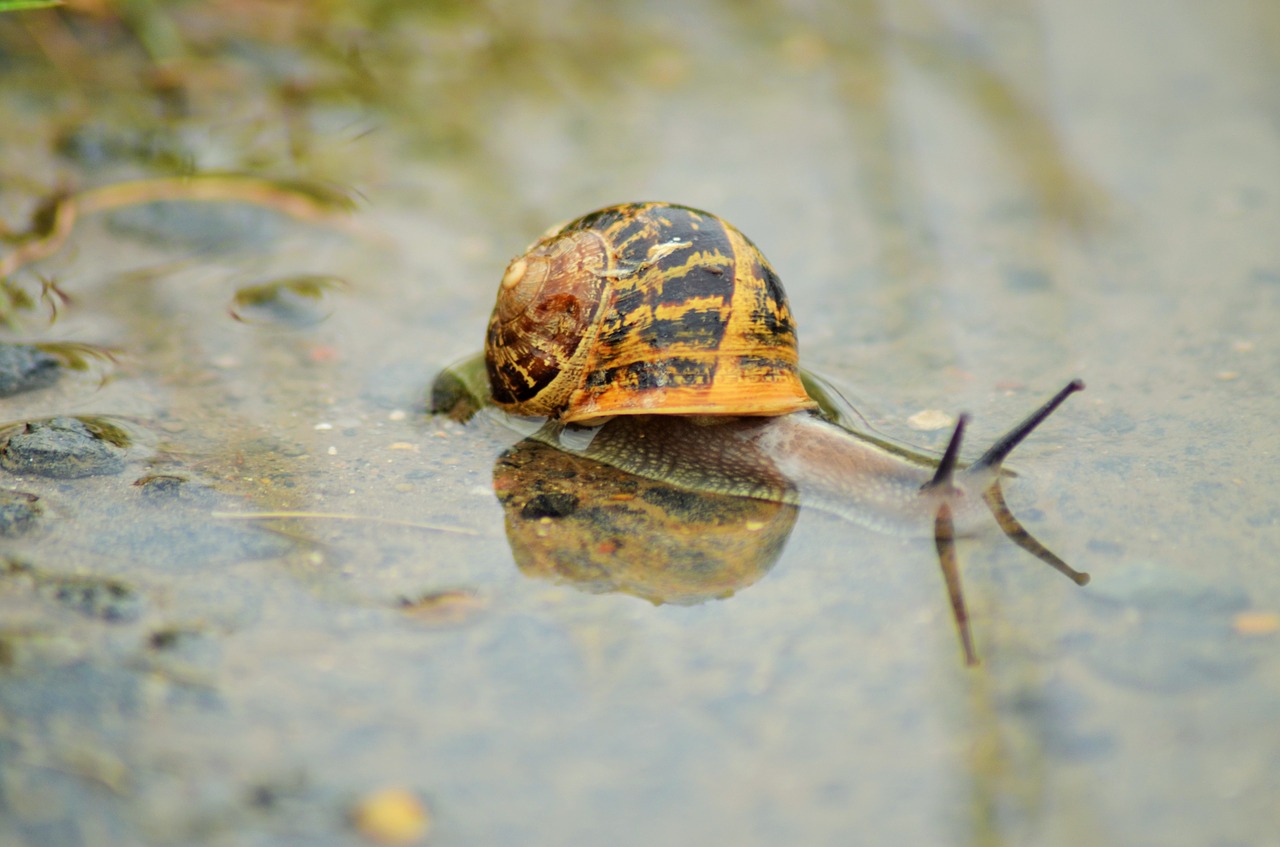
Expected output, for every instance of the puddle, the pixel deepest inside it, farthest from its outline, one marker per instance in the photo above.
(297, 606)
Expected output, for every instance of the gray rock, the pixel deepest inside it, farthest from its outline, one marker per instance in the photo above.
(19, 512)
(24, 367)
(63, 448)
(104, 599)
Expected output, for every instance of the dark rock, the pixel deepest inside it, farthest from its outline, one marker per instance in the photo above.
(63, 448)
(19, 512)
(105, 599)
(297, 301)
(24, 367)
(160, 488)
(551, 505)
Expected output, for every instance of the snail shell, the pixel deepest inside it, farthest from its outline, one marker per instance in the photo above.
(644, 308)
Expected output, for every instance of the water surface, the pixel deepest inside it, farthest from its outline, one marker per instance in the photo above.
(969, 204)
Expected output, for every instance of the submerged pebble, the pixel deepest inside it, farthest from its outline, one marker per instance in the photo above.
(391, 816)
(167, 489)
(298, 301)
(443, 608)
(63, 448)
(25, 367)
(19, 512)
(105, 599)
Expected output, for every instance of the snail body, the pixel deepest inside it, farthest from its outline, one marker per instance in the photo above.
(805, 460)
(657, 339)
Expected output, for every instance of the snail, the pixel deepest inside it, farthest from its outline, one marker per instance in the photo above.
(657, 339)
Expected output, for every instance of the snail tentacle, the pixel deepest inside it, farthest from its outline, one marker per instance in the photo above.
(1004, 445)
(947, 467)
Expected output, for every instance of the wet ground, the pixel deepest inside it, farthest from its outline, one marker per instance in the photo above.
(272, 600)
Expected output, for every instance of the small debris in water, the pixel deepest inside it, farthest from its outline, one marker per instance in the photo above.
(930, 420)
(104, 599)
(444, 608)
(391, 816)
(324, 354)
(1256, 623)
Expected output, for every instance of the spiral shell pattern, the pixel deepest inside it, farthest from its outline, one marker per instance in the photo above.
(644, 308)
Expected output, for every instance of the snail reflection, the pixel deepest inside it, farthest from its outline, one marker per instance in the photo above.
(657, 340)
(572, 519)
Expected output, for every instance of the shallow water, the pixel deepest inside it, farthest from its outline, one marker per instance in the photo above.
(969, 204)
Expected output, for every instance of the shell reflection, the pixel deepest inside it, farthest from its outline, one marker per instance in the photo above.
(572, 519)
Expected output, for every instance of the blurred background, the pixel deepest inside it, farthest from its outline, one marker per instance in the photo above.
(282, 602)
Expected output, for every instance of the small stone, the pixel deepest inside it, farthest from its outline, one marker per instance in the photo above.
(62, 448)
(391, 816)
(444, 608)
(549, 505)
(168, 488)
(160, 485)
(19, 512)
(298, 301)
(24, 367)
(929, 420)
(105, 599)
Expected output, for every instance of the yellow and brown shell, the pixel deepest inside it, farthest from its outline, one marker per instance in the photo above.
(644, 308)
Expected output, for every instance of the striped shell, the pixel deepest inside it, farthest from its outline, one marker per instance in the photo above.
(644, 308)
